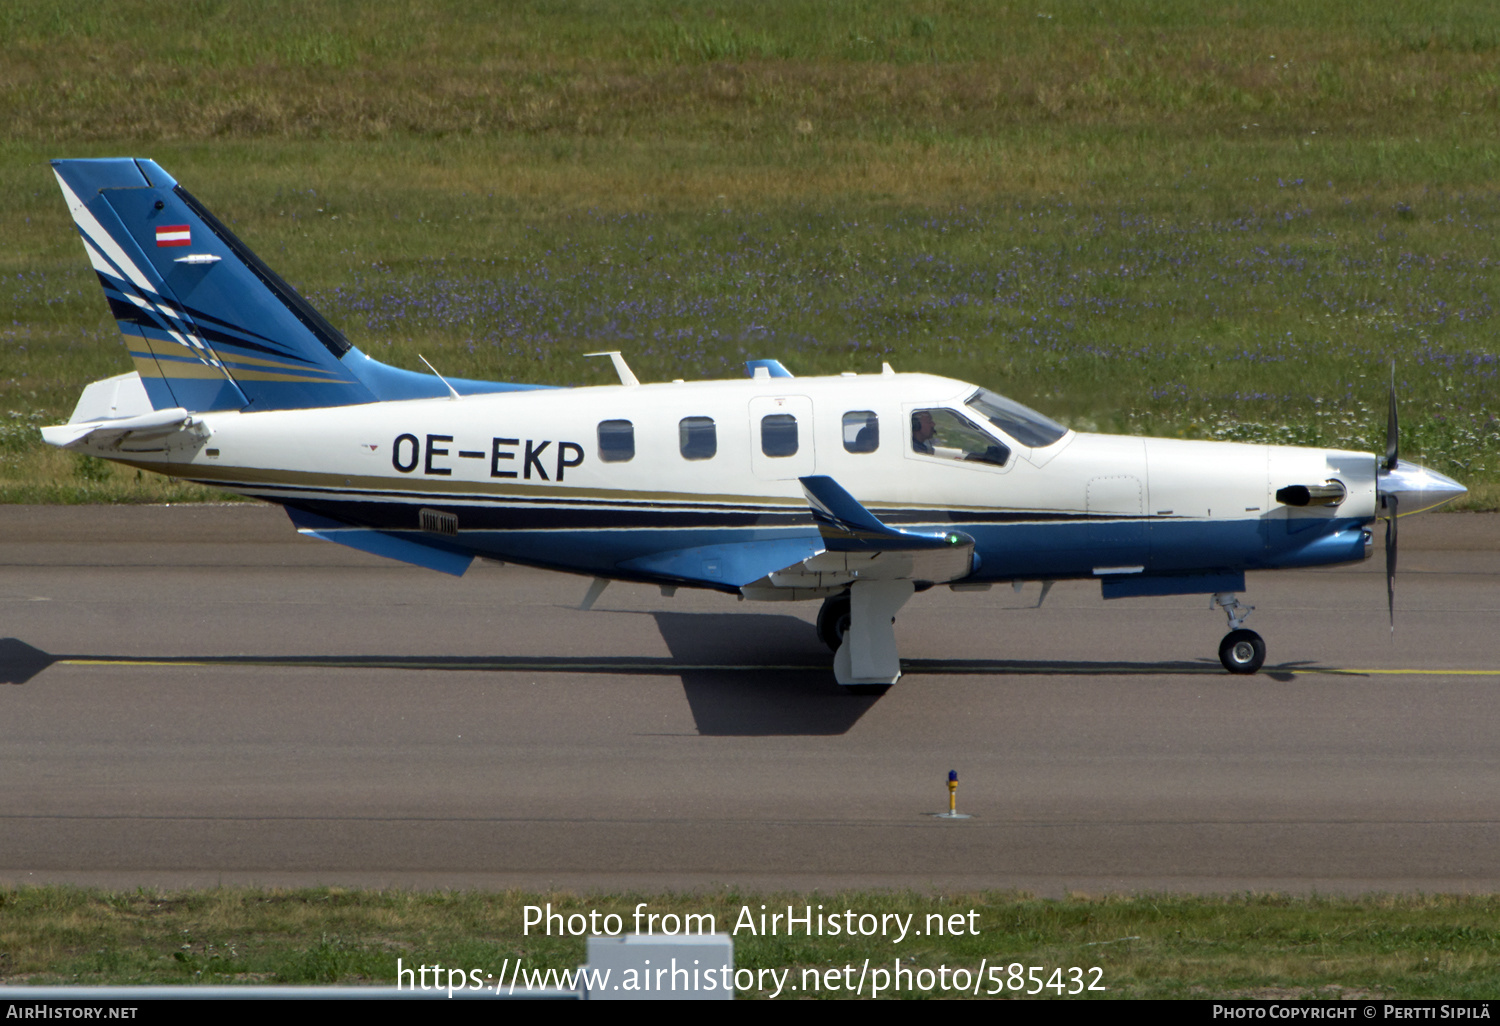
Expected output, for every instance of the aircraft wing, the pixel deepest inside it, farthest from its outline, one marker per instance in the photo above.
(114, 412)
(729, 566)
(857, 546)
(852, 544)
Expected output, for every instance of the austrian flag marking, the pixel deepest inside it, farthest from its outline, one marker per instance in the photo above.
(173, 235)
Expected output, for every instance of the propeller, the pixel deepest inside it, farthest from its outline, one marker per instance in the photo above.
(1392, 428)
(1392, 449)
(1390, 560)
(1404, 487)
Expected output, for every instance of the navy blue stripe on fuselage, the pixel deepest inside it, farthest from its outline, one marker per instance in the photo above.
(802, 514)
(1054, 548)
(536, 517)
(593, 534)
(1012, 552)
(396, 510)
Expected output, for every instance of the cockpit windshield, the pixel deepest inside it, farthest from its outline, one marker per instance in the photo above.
(1024, 425)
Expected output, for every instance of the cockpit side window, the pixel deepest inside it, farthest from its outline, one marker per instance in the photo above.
(946, 434)
(1025, 425)
(861, 431)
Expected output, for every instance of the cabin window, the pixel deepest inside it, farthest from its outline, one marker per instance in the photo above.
(951, 436)
(1023, 424)
(861, 431)
(697, 438)
(778, 435)
(616, 441)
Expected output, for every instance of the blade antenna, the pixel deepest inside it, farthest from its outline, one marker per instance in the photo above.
(453, 393)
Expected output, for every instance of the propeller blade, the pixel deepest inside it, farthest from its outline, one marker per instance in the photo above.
(1392, 428)
(1390, 559)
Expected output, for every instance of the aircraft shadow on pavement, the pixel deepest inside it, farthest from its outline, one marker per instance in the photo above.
(794, 693)
(19, 662)
(754, 675)
(743, 674)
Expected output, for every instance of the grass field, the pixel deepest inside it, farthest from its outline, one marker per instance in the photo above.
(1159, 217)
(1152, 946)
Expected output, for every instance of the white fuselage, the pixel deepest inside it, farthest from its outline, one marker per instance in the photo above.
(542, 456)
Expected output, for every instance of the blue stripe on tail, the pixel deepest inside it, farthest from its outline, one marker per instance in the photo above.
(209, 325)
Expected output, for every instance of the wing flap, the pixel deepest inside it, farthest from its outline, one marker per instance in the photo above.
(837, 569)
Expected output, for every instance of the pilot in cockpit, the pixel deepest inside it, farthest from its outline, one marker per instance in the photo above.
(922, 430)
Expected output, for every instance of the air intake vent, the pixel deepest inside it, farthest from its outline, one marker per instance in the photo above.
(438, 522)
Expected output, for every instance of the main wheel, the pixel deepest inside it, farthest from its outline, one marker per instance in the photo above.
(833, 620)
(1242, 651)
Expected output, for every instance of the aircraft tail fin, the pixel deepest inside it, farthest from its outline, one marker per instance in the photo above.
(209, 325)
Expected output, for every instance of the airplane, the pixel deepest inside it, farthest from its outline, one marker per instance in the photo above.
(856, 490)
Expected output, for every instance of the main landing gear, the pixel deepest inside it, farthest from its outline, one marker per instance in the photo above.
(859, 625)
(833, 620)
(1241, 651)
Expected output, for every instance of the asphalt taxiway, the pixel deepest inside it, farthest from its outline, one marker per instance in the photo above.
(196, 695)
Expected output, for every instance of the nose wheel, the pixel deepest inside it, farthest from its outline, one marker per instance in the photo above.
(1242, 651)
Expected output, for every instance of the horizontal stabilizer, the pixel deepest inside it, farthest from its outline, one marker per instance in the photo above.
(404, 547)
(157, 422)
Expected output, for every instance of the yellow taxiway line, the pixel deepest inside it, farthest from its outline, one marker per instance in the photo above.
(915, 667)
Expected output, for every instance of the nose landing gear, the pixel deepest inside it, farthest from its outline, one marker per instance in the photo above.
(1241, 651)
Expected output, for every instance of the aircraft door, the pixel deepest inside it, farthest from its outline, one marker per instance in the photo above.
(781, 437)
